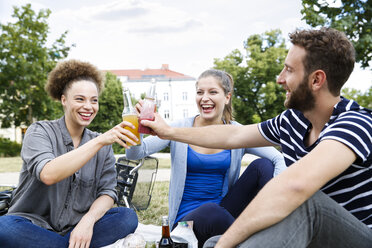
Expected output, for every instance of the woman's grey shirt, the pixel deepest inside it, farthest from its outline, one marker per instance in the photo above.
(153, 144)
(60, 206)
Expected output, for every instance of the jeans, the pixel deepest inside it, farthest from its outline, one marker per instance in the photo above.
(212, 219)
(16, 231)
(319, 222)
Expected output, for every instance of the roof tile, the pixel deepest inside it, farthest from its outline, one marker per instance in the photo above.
(163, 73)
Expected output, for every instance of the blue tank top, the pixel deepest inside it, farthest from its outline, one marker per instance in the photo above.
(204, 179)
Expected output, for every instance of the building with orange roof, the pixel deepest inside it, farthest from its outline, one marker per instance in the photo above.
(175, 92)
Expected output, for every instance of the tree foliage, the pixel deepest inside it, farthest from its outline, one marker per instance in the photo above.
(110, 108)
(364, 100)
(353, 17)
(257, 96)
(110, 105)
(25, 60)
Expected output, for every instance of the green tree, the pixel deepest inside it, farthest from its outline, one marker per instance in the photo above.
(353, 17)
(363, 99)
(110, 108)
(257, 96)
(25, 60)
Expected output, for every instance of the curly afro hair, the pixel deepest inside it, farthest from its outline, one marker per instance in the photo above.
(67, 72)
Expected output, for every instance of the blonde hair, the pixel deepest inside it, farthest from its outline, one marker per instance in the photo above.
(227, 84)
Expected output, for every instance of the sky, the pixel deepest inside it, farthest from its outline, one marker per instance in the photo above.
(185, 34)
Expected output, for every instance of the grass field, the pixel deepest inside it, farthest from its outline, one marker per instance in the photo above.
(13, 164)
(158, 205)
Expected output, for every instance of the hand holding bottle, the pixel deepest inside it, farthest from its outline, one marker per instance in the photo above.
(148, 108)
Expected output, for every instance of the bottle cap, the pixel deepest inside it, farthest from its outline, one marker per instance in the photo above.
(165, 220)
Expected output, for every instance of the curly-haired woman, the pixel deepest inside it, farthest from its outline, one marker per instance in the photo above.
(67, 182)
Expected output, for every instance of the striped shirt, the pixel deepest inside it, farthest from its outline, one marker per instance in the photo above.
(350, 124)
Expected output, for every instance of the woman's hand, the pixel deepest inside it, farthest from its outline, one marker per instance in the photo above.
(159, 127)
(82, 234)
(119, 134)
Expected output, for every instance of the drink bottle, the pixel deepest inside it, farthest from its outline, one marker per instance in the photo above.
(148, 108)
(129, 114)
(165, 241)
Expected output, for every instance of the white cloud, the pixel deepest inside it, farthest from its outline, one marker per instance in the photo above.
(360, 79)
(187, 35)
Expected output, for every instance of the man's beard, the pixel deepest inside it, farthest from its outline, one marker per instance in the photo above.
(301, 98)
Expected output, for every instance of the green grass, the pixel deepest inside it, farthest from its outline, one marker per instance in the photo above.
(164, 163)
(12, 164)
(158, 205)
(6, 188)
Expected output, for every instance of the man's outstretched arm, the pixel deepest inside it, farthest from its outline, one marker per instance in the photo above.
(214, 136)
(286, 192)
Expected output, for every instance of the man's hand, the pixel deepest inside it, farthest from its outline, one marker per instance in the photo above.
(82, 234)
(159, 127)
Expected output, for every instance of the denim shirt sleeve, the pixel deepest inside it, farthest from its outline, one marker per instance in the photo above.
(37, 149)
(149, 145)
(272, 154)
(107, 181)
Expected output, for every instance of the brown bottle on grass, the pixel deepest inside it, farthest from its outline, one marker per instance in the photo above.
(165, 241)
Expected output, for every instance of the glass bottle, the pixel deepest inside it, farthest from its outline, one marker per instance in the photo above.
(165, 241)
(148, 108)
(130, 115)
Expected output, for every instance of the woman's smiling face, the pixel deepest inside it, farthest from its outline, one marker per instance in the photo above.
(80, 103)
(211, 98)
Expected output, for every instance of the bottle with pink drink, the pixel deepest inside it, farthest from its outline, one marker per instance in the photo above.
(148, 108)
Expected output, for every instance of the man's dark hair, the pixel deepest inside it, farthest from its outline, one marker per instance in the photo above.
(329, 50)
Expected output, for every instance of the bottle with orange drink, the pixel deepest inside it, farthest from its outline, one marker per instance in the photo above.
(130, 115)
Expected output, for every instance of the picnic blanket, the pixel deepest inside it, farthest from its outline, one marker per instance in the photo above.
(148, 232)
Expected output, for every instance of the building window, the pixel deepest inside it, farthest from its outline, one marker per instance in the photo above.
(166, 114)
(166, 98)
(184, 96)
(185, 113)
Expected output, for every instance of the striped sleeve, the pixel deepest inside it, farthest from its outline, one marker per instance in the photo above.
(270, 129)
(353, 129)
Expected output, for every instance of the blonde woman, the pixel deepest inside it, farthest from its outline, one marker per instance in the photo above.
(204, 185)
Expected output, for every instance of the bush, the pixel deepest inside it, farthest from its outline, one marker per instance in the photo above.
(165, 150)
(118, 149)
(9, 148)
